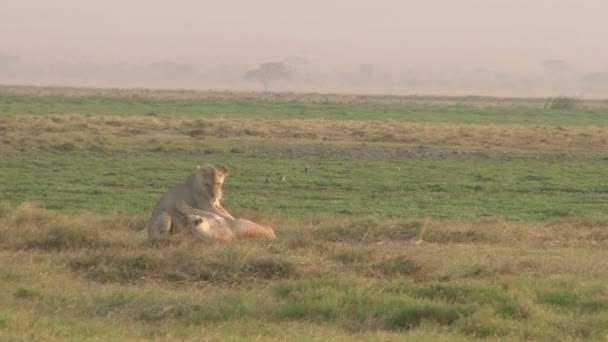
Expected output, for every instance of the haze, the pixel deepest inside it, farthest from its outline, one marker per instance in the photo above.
(485, 47)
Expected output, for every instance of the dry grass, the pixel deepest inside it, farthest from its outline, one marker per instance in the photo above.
(354, 277)
(346, 240)
(26, 133)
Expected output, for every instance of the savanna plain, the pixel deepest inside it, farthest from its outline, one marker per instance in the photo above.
(398, 218)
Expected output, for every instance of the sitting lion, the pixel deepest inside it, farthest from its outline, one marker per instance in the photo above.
(201, 190)
(208, 225)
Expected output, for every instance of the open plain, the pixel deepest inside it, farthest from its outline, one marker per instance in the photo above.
(426, 218)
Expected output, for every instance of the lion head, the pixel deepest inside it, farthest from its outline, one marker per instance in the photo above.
(211, 180)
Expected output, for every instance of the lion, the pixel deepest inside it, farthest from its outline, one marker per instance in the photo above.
(211, 226)
(200, 190)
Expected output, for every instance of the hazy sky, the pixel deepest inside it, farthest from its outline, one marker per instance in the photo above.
(389, 33)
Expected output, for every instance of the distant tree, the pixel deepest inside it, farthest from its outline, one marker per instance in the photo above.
(268, 72)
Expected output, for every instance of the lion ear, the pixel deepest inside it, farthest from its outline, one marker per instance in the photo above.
(223, 169)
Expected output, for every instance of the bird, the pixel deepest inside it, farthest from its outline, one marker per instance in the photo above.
(306, 168)
(267, 180)
(282, 178)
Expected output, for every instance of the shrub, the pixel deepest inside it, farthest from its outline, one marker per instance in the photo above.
(558, 298)
(370, 230)
(465, 236)
(270, 268)
(180, 266)
(561, 102)
(214, 309)
(352, 255)
(410, 315)
(24, 292)
(398, 266)
(461, 293)
(310, 311)
(119, 269)
(61, 237)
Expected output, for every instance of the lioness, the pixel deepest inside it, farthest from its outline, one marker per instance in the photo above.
(208, 225)
(200, 190)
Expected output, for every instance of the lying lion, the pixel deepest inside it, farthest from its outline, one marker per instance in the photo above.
(202, 189)
(211, 226)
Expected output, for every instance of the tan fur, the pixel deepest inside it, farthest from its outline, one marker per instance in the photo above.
(211, 226)
(200, 190)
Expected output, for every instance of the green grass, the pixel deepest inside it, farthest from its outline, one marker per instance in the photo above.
(529, 189)
(424, 235)
(297, 109)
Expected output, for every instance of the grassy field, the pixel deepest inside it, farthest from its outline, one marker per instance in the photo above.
(414, 218)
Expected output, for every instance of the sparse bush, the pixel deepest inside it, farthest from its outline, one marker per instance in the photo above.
(104, 268)
(558, 298)
(457, 236)
(179, 266)
(162, 241)
(224, 308)
(350, 256)
(218, 309)
(469, 293)
(196, 133)
(462, 293)
(62, 237)
(30, 227)
(4, 320)
(253, 132)
(270, 268)
(370, 230)
(398, 266)
(107, 304)
(384, 137)
(358, 231)
(566, 299)
(512, 309)
(409, 315)
(24, 292)
(484, 325)
(155, 312)
(158, 149)
(30, 215)
(561, 102)
(134, 131)
(310, 311)
(299, 239)
(323, 300)
(115, 123)
(212, 150)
